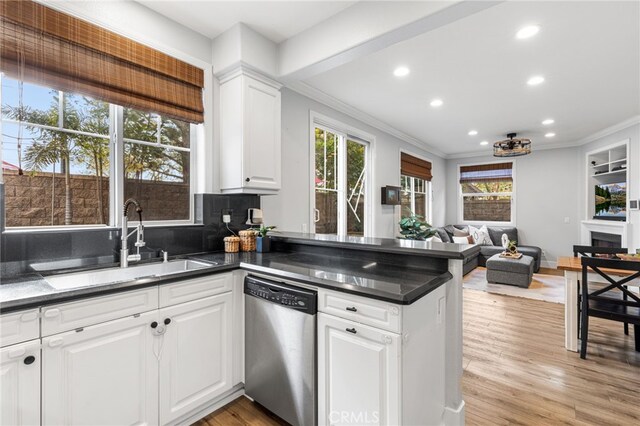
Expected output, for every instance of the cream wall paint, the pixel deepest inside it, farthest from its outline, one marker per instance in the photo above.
(546, 193)
(290, 210)
(633, 169)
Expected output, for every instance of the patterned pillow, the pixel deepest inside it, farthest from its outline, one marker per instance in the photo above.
(480, 235)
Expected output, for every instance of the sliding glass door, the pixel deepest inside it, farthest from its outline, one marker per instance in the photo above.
(340, 183)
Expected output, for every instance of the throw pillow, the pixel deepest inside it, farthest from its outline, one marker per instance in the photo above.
(460, 232)
(436, 239)
(463, 240)
(480, 235)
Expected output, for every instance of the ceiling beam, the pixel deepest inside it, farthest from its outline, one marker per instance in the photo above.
(362, 29)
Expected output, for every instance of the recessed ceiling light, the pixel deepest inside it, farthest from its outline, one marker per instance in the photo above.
(472, 132)
(535, 80)
(436, 103)
(528, 31)
(484, 143)
(548, 121)
(549, 135)
(401, 71)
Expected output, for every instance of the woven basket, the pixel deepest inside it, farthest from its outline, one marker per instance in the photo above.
(247, 240)
(231, 244)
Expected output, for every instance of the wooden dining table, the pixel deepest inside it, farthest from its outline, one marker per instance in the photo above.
(572, 268)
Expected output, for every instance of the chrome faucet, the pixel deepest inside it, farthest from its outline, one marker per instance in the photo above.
(125, 257)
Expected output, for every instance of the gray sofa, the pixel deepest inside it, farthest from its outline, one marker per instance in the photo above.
(495, 233)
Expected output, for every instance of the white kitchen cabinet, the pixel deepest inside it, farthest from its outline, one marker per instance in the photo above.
(250, 145)
(196, 365)
(19, 327)
(102, 374)
(20, 384)
(358, 373)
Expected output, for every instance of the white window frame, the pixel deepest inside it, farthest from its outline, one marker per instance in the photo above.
(116, 172)
(429, 190)
(512, 221)
(317, 120)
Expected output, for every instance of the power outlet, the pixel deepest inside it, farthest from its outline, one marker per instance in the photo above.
(226, 215)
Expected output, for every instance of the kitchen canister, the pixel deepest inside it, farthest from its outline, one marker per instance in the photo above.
(247, 240)
(231, 244)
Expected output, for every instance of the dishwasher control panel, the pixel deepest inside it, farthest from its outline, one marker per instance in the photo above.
(280, 293)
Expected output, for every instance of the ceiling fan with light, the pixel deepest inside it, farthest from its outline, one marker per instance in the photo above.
(512, 147)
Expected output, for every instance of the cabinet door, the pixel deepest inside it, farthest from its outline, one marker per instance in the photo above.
(196, 362)
(20, 384)
(358, 373)
(106, 374)
(261, 150)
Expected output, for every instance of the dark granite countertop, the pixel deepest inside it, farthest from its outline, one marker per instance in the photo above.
(384, 245)
(361, 277)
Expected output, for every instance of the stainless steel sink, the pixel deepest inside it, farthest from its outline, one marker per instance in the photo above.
(114, 275)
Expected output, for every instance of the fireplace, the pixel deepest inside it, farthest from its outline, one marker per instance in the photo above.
(603, 239)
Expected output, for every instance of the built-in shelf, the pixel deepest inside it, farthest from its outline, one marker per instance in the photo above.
(606, 162)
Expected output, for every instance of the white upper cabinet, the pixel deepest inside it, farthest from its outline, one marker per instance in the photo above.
(250, 146)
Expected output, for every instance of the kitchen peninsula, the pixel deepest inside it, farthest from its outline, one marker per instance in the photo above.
(408, 317)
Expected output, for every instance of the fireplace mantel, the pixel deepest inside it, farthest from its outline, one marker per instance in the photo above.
(606, 227)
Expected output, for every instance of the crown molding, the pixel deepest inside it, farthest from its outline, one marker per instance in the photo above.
(610, 130)
(241, 68)
(328, 100)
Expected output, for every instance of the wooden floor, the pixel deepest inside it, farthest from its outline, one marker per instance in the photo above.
(516, 370)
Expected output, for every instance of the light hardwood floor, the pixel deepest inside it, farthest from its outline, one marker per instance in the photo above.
(516, 370)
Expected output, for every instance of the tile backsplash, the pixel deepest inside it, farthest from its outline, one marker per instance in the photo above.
(20, 250)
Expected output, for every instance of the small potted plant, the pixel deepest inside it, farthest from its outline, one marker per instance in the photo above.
(263, 241)
(415, 228)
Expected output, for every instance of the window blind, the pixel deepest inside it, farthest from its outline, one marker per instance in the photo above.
(486, 172)
(415, 167)
(50, 48)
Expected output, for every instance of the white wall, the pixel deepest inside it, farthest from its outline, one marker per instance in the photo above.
(289, 210)
(633, 169)
(546, 193)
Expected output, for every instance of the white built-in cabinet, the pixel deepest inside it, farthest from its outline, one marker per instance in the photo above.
(358, 373)
(196, 363)
(20, 384)
(104, 374)
(380, 363)
(145, 357)
(250, 145)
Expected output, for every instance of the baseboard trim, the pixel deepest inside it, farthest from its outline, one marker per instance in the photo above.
(236, 392)
(454, 416)
(549, 264)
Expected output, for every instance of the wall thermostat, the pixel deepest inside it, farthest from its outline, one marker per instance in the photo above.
(633, 204)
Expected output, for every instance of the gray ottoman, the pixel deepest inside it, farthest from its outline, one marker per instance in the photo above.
(518, 272)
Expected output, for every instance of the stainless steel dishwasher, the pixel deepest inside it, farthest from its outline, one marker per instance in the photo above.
(280, 348)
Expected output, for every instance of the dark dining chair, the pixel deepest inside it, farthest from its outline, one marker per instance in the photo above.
(593, 251)
(614, 301)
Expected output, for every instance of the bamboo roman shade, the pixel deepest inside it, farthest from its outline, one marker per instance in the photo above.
(50, 48)
(415, 167)
(486, 172)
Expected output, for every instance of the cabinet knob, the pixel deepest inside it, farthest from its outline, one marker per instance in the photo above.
(154, 324)
(167, 321)
(247, 180)
(351, 309)
(29, 360)
(351, 330)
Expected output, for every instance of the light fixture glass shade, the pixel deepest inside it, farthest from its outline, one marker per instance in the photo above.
(512, 147)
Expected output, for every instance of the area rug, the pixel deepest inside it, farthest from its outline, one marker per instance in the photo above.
(549, 288)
